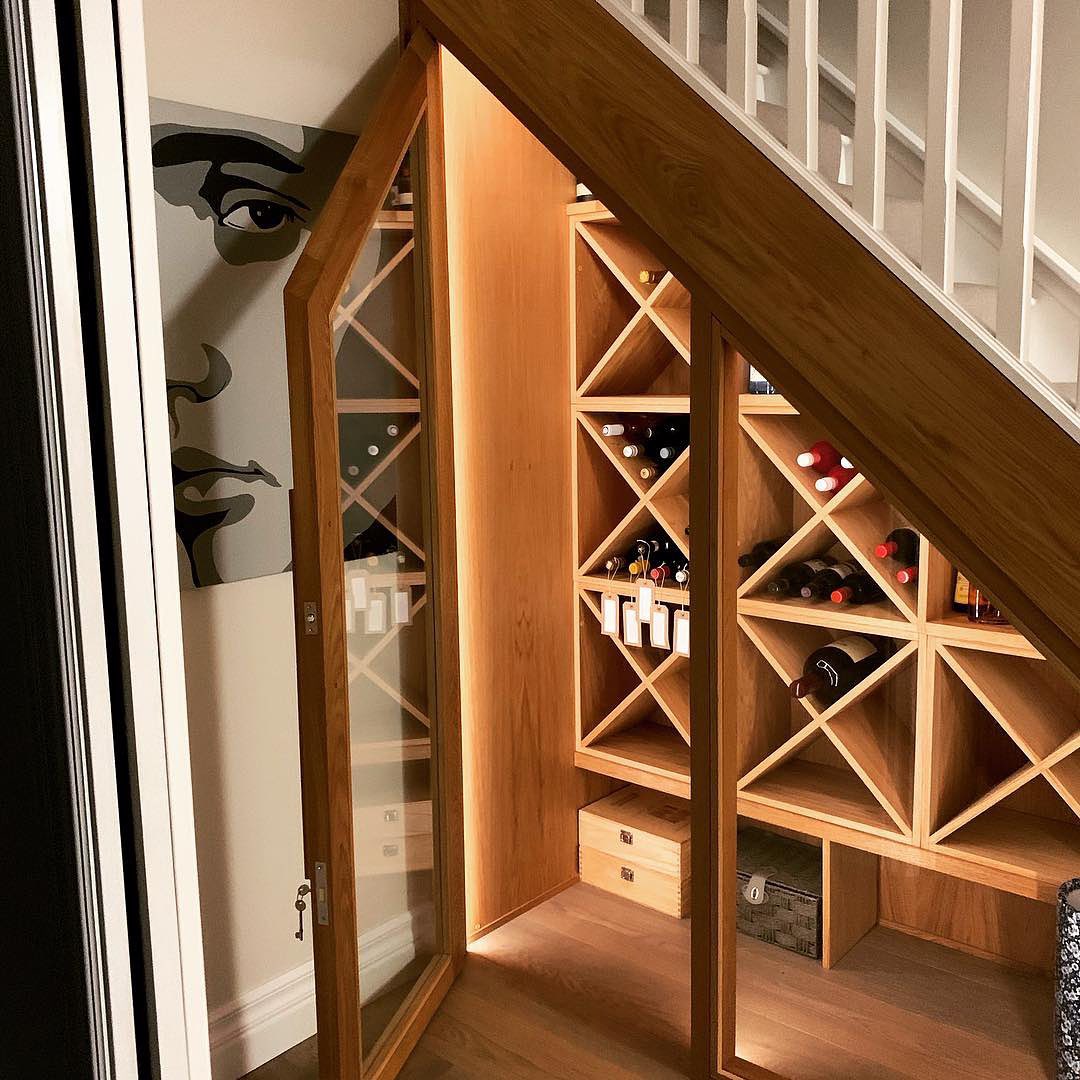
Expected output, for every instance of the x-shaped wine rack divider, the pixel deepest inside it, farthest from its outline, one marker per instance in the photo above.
(1040, 763)
(650, 305)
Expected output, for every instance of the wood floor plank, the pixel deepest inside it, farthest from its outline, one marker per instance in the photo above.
(589, 986)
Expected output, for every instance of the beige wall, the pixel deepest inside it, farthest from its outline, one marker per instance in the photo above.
(318, 64)
(241, 685)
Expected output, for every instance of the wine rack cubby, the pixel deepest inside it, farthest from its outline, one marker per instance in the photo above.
(377, 390)
(961, 752)
(631, 355)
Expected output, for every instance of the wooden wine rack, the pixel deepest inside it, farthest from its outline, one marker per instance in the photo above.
(376, 361)
(960, 754)
(630, 353)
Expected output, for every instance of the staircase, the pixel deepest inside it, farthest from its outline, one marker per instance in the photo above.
(1052, 352)
(812, 273)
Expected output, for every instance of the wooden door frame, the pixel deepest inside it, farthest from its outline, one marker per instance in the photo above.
(313, 290)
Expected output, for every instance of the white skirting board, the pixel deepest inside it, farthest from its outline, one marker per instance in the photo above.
(265, 1022)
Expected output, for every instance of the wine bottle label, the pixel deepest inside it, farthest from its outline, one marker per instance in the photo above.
(645, 602)
(631, 624)
(375, 620)
(816, 565)
(855, 646)
(962, 592)
(681, 633)
(402, 607)
(660, 626)
(360, 592)
(845, 569)
(583, 192)
(609, 614)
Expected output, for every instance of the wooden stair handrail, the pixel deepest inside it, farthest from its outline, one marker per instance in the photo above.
(974, 463)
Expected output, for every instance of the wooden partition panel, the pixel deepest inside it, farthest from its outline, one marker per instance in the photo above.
(509, 271)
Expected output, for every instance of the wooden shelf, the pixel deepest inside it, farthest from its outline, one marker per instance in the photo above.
(652, 755)
(1004, 839)
(823, 792)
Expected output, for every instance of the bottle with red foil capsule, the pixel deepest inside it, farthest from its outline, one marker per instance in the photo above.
(902, 546)
(857, 589)
(822, 584)
(837, 478)
(821, 457)
(981, 609)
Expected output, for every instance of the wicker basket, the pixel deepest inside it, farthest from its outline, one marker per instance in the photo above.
(786, 875)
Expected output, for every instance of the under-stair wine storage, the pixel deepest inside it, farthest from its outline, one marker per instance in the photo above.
(514, 488)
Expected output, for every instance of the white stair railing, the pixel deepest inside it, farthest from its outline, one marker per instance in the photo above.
(999, 325)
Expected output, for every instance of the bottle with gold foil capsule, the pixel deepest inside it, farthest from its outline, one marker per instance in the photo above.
(650, 277)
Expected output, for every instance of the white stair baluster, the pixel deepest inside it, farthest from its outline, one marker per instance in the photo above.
(686, 28)
(871, 62)
(942, 112)
(1018, 179)
(803, 81)
(742, 54)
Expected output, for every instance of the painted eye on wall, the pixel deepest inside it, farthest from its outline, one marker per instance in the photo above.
(258, 215)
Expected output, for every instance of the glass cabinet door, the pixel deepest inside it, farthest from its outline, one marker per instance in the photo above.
(379, 730)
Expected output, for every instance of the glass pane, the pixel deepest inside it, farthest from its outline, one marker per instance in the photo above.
(388, 629)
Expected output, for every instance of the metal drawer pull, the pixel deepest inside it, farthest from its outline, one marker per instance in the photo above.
(627, 874)
(626, 837)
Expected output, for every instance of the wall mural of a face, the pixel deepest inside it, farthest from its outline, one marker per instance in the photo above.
(236, 199)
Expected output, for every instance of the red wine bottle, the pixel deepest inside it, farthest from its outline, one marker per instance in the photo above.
(762, 552)
(835, 479)
(857, 589)
(834, 669)
(821, 457)
(791, 578)
(908, 575)
(821, 585)
(901, 545)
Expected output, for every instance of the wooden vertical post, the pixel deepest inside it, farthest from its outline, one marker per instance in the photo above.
(742, 54)
(871, 66)
(803, 81)
(942, 112)
(717, 375)
(685, 30)
(1018, 180)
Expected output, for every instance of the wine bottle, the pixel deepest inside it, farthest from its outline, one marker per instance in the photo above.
(759, 384)
(795, 575)
(821, 457)
(836, 478)
(648, 472)
(961, 592)
(650, 277)
(908, 576)
(824, 581)
(901, 545)
(834, 669)
(857, 589)
(981, 609)
(762, 552)
(393, 430)
(373, 450)
(642, 429)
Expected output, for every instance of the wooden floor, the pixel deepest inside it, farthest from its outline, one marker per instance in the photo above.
(588, 986)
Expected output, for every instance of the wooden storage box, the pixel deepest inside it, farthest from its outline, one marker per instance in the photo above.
(636, 843)
(787, 911)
